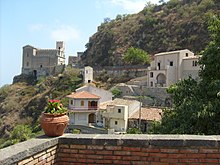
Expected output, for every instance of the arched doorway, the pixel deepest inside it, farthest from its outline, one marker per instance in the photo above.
(161, 79)
(91, 118)
(35, 73)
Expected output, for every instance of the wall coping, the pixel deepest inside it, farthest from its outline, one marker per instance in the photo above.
(20, 151)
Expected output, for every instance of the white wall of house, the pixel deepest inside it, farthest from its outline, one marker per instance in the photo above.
(103, 94)
(79, 118)
(118, 125)
(190, 68)
(80, 104)
(88, 74)
(117, 115)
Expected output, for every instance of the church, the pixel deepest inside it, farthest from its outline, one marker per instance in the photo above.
(43, 62)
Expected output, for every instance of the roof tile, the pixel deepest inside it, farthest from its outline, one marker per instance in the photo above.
(83, 95)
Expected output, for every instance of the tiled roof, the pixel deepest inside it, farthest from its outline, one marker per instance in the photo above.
(148, 114)
(83, 95)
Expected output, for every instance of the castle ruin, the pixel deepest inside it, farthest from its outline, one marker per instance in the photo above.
(43, 62)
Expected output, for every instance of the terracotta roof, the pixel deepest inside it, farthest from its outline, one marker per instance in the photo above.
(83, 95)
(148, 114)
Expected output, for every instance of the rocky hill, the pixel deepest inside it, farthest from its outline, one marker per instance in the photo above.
(177, 24)
(23, 102)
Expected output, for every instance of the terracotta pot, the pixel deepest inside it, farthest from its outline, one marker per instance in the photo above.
(54, 124)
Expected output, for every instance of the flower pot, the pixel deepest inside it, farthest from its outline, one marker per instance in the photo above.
(54, 124)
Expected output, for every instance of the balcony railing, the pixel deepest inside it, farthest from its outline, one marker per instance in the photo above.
(76, 108)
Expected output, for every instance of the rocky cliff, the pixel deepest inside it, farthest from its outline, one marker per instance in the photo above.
(177, 24)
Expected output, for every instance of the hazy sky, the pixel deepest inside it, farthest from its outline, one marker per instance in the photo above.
(41, 23)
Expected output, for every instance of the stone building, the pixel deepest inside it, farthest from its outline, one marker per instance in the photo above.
(43, 62)
(169, 67)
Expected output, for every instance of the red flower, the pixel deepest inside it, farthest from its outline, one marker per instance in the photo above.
(52, 101)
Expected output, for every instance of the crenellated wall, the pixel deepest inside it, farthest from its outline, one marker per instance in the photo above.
(115, 149)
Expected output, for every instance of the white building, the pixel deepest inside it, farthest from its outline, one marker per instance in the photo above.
(83, 107)
(103, 94)
(169, 67)
(87, 73)
(115, 114)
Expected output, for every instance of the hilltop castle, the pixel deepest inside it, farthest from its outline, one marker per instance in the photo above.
(43, 62)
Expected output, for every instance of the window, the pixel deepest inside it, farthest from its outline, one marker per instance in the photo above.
(27, 64)
(71, 102)
(119, 110)
(187, 54)
(196, 63)
(41, 66)
(151, 83)
(82, 103)
(27, 55)
(171, 63)
(158, 66)
(151, 74)
(116, 122)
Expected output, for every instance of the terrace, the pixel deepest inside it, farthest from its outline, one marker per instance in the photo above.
(114, 149)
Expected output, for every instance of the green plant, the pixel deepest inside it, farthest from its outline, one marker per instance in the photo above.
(55, 107)
(116, 92)
(134, 131)
(76, 131)
(21, 133)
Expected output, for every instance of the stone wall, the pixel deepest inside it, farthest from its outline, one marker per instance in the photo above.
(115, 149)
(156, 96)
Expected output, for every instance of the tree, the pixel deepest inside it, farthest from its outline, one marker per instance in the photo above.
(196, 105)
(116, 92)
(136, 56)
(21, 133)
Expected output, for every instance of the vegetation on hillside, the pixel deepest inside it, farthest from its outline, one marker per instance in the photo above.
(135, 56)
(21, 103)
(196, 104)
(177, 24)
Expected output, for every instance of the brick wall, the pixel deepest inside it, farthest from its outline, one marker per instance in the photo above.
(45, 157)
(121, 153)
(115, 149)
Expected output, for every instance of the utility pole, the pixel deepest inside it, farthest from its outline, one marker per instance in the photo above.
(141, 93)
(140, 116)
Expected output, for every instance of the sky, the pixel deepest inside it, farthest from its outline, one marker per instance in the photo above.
(41, 23)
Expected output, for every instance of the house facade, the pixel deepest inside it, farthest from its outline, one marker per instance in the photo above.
(83, 107)
(43, 62)
(169, 67)
(115, 114)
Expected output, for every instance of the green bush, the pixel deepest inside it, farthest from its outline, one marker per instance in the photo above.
(21, 133)
(76, 131)
(134, 131)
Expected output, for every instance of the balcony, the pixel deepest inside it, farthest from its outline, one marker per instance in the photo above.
(78, 109)
(114, 149)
